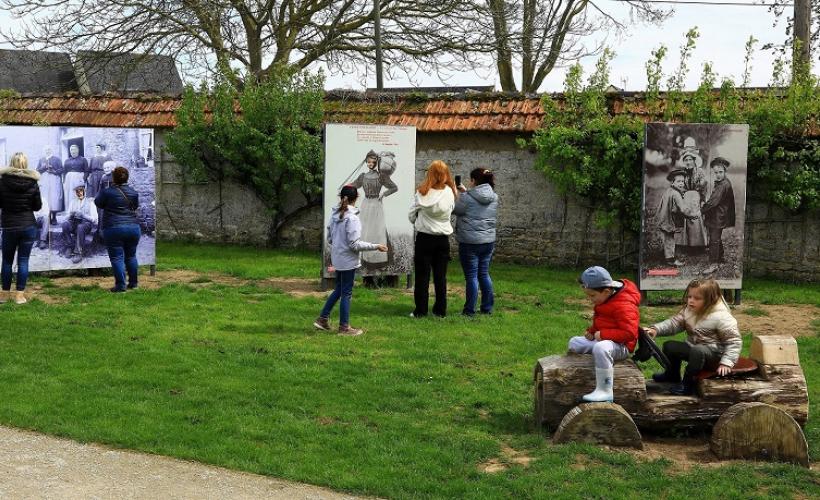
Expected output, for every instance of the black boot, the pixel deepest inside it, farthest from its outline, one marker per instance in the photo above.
(667, 376)
(685, 388)
(671, 374)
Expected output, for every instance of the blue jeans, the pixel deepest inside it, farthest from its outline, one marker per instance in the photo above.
(344, 291)
(475, 261)
(17, 241)
(122, 250)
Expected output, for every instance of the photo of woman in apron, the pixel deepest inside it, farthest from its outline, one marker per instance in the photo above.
(377, 176)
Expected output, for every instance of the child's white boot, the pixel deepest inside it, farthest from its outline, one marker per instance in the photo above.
(603, 386)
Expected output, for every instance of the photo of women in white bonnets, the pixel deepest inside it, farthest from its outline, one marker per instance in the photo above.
(377, 185)
(694, 198)
(69, 224)
(693, 237)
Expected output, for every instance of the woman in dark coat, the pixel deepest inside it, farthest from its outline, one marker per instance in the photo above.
(121, 229)
(19, 199)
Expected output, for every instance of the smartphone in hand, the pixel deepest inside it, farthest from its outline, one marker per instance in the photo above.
(458, 180)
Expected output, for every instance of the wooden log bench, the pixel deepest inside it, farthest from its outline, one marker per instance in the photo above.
(560, 381)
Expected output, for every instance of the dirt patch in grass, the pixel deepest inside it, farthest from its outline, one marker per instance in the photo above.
(297, 287)
(508, 458)
(684, 453)
(759, 319)
(795, 319)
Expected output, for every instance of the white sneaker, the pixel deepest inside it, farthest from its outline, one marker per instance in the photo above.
(19, 298)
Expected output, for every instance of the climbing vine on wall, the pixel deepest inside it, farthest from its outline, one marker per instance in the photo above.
(587, 149)
(266, 137)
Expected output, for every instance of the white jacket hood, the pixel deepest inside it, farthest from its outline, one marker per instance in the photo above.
(431, 212)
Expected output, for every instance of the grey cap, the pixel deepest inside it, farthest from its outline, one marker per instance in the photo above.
(598, 277)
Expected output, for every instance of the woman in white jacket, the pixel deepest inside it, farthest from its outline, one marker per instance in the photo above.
(432, 207)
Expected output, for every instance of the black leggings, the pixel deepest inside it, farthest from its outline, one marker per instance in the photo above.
(432, 252)
(697, 357)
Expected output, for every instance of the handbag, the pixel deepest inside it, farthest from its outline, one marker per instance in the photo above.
(127, 200)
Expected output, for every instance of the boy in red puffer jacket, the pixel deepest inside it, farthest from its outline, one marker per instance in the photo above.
(614, 330)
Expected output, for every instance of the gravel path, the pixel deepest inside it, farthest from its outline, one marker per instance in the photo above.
(37, 466)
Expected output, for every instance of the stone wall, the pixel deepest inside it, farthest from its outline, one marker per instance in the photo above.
(207, 212)
(535, 224)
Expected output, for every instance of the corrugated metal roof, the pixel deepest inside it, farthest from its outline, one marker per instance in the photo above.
(429, 116)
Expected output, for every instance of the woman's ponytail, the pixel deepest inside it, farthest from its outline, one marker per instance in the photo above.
(342, 207)
(483, 176)
(348, 194)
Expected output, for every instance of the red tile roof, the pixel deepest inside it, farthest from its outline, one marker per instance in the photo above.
(97, 111)
(436, 115)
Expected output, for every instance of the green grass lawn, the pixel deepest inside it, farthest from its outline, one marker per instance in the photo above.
(235, 375)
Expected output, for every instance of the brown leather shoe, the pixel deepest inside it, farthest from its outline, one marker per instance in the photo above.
(349, 331)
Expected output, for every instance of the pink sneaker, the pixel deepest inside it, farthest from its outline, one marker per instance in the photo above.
(349, 331)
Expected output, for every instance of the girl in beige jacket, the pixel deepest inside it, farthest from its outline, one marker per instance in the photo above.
(712, 337)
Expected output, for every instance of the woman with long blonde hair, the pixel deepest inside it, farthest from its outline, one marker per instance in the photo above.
(430, 214)
(19, 199)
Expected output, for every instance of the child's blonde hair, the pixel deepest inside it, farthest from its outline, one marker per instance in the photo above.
(711, 295)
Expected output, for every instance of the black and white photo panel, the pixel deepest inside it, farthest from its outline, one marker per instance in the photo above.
(75, 164)
(380, 161)
(694, 201)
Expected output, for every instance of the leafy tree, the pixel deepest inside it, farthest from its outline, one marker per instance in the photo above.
(588, 150)
(268, 138)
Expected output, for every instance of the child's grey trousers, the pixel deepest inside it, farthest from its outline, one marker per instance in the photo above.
(605, 352)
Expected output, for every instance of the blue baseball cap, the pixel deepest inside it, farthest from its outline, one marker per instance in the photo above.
(598, 277)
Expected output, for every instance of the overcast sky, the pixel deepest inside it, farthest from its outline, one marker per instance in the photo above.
(724, 31)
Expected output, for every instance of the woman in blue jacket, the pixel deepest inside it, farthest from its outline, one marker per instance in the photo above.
(121, 229)
(476, 212)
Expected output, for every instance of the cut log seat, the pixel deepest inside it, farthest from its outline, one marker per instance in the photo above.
(782, 386)
(560, 381)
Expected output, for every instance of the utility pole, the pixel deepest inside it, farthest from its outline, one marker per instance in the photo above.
(802, 34)
(377, 21)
